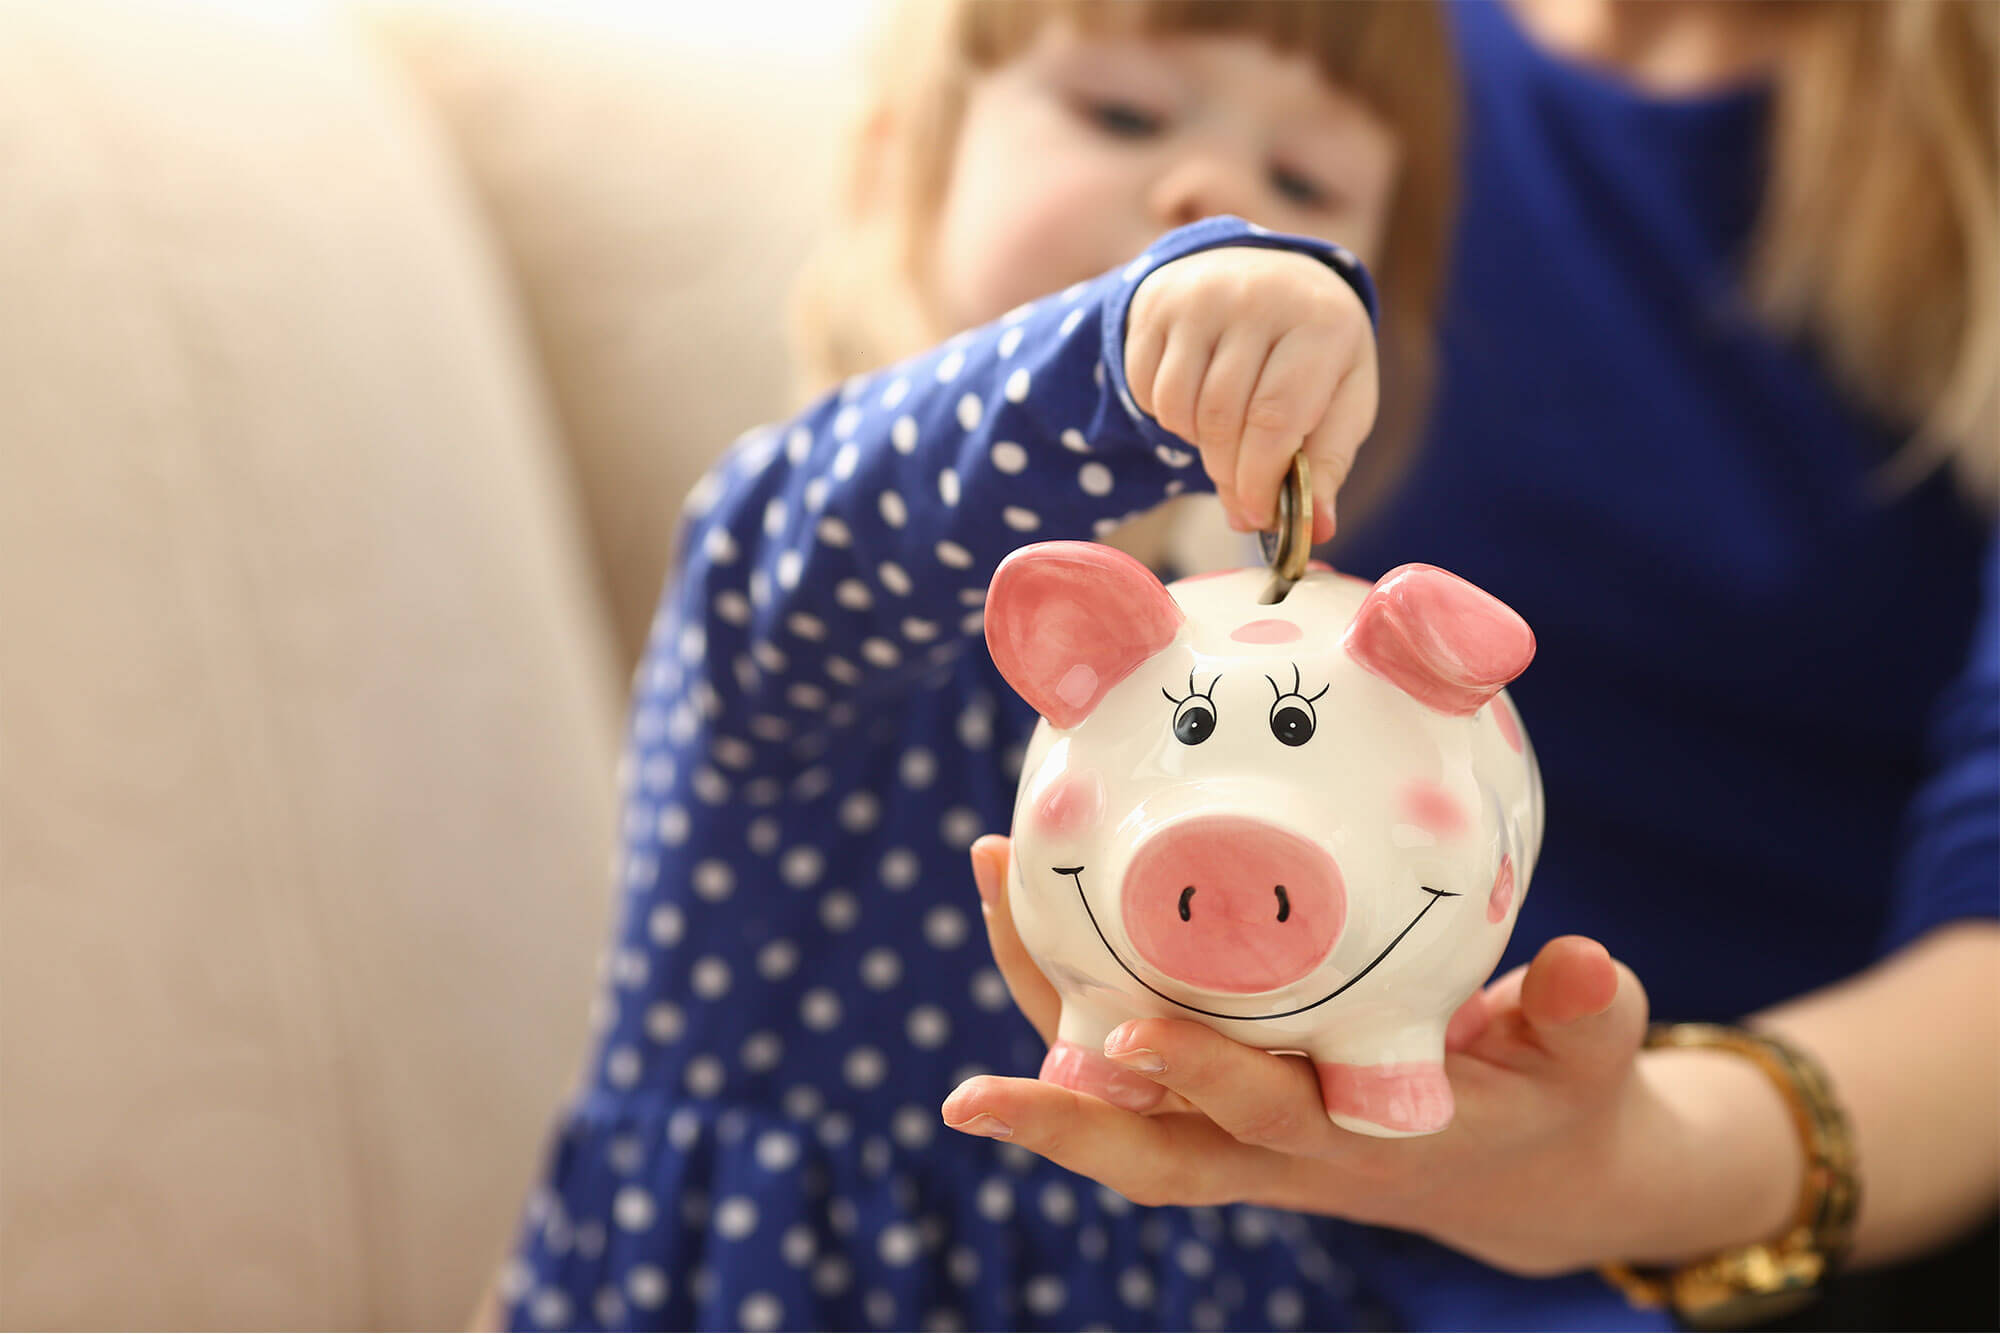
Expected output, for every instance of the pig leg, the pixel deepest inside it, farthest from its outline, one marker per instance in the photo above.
(1076, 1060)
(1391, 1088)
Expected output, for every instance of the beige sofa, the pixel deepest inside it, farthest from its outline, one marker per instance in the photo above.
(352, 366)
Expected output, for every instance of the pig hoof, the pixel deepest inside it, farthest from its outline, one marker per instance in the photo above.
(1390, 1101)
(1078, 1067)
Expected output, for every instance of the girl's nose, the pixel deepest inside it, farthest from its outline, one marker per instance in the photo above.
(1202, 184)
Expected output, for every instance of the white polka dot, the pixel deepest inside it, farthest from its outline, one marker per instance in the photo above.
(928, 1027)
(633, 1209)
(1135, 1288)
(819, 1009)
(1093, 1243)
(903, 435)
(876, 1157)
(1070, 321)
(1009, 341)
(625, 1154)
(1206, 1315)
(736, 1218)
(1194, 1258)
(799, 1245)
(859, 812)
(864, 1067)
(970, 411)
(952, 554)
(959, 826)
(1174, 458)
(1045, 1294)
(846, 420)
(989, 991)
(762, 835)
(693, 644)
(801, 866)
(880, 652)
(1072, 440)
(815, 493)
(1175, 487)
(769, 656)
(790, 565)
(1009, 457)
(918, 768)
(517, 1277)
(835, 1129)
(913, 1127)
(705, 1076)
(881, 1308)
(1021, 520)
(760, 587)
(831, 1276)
(963, 1266)
(975, 729)
(805, 625)
(996, 1200)
(710, 786)
(666, 924)
(881, 969)
(665, 1023)
(948, 486)
(1095, 479)
(900, 868)
(621, 1067)
(899, 1245)
(944, 927)
(610, 1308)
(798, 444)
(950, 366)
(918, 630)
(701, 1280)
(845, 460)
(733, 607)
(646, 1285)
(713, 879)
(709, 977)
(1017, 386)
(839, 910)
(853, 595)
(805, 695)
(684, 1129)
(803, 1102)
(774, 518)
(841, 670)
(894, 578)
(894, 512)
(760, 1311)
(549, 1309)
(1285, 1308)
(834, 532)
(702, 494)
(762, 1051)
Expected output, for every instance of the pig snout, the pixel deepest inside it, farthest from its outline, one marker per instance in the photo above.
(1233, 905)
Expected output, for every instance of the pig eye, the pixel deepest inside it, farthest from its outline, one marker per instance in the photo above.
(1292, 718)
(1194, 713)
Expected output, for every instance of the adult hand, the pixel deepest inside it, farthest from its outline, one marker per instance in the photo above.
(1553, 1133)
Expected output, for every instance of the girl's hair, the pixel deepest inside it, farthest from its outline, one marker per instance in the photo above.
(1879, 239)
(860, 303)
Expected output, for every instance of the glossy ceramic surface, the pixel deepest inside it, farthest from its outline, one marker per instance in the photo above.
(1309, 824)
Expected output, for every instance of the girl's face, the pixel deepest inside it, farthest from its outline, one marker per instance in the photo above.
(1079, 152)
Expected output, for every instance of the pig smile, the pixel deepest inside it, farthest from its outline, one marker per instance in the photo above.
(1076, 873)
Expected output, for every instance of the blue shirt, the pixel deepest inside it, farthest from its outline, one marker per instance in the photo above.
(1766, 726)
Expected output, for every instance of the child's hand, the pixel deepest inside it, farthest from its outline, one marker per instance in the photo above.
(1251, 355)
(1551, 1109)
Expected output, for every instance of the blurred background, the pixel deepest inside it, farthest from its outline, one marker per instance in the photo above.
(353, 364)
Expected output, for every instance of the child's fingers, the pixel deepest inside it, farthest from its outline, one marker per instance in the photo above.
(1291, 395)
(1031, 990)
(1145, 344)
(1333, 443)
(1220, 408)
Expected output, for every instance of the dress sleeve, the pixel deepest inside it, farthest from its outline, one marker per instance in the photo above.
(828, 562)
(1950, 863)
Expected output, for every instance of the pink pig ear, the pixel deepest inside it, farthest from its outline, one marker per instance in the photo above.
(1067, 621)
(1439, 639)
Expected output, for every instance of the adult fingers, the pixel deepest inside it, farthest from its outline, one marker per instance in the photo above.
(1291, 396)
(1261, 1100)
(1150, 1160)
(1031, 990)
(1579, 1012)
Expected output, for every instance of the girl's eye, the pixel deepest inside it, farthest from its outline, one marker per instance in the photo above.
(1124, 120)
(1298, 189)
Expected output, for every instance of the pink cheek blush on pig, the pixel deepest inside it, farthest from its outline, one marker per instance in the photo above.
(1308, 824)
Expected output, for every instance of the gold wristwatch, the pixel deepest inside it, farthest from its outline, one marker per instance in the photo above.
(1748, 1285)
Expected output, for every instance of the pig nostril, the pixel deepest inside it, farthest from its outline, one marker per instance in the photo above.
(1186, 894)
(1284, 904)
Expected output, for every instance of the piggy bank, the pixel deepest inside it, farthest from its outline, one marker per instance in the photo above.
(1307, 824)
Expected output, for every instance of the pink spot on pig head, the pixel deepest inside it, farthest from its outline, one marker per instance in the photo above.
(1266, 632)
(1428, 806)
(1069, 803)
(1502, 897)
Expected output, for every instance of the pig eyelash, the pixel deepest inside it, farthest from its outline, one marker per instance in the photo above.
(1208, 694)
(1298, 688)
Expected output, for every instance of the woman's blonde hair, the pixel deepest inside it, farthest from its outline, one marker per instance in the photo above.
(1879, 239)
(860, 303)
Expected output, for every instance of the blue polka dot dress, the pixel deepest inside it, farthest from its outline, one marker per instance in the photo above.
(800, 974)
